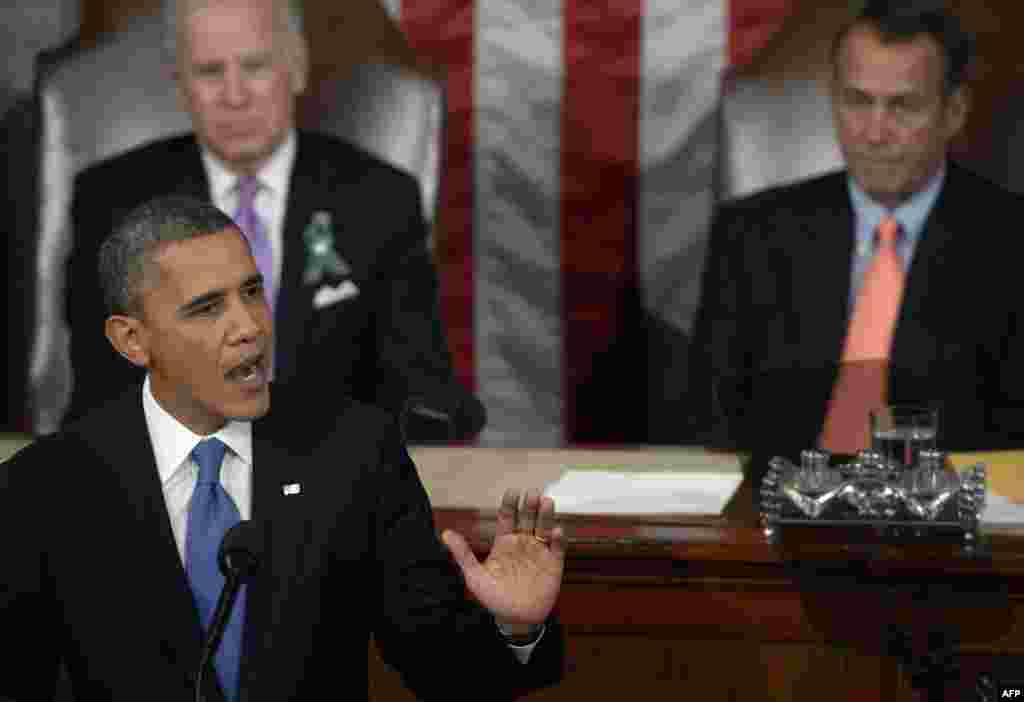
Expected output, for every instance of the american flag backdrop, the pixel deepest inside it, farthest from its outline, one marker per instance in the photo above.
(581, 167)
(583, 156)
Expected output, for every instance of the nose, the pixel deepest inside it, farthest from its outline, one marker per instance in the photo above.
(878, 124)
(249, 320)
(236, 89)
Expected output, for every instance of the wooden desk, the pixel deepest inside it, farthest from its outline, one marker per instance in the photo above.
(702, 608)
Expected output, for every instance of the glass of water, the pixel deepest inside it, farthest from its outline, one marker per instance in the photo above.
(900, 432)
(930, 485)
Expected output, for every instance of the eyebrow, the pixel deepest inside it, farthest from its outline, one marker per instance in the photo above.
(202, 300)
(257, 55)
(219, 62)
(849, 87)
(208, 64)
(215, 295)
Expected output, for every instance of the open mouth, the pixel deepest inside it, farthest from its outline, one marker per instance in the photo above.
(251, 370)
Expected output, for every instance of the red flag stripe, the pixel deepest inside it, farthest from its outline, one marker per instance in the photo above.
(441, 31)
(599, 173)
(751, 24)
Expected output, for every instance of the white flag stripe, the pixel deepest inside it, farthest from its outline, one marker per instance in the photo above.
(522, 334)
(683, 56)
(518, 314)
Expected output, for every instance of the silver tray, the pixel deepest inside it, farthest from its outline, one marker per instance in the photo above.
(864, 496)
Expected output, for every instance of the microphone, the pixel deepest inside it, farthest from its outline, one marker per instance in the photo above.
(424, 420)
(238, 560)
(444, 415)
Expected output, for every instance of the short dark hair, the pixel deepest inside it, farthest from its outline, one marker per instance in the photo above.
(126, 256)
(905, 20)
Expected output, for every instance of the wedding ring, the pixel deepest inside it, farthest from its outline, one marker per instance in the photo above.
(543, 539)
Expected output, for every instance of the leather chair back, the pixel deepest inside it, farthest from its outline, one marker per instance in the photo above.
(393, 112)
(95, 103)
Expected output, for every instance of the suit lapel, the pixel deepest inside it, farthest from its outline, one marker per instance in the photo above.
(822, 287)
(925, 297)
(278, 515)
(191, 176)
(295, 301)
(157, 562)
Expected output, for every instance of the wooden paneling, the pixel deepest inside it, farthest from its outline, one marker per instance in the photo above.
(706, 609)
(102, 16)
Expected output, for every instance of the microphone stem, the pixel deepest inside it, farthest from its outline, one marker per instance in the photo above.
(215, 631)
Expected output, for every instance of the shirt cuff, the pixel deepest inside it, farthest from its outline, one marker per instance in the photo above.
(523, 651)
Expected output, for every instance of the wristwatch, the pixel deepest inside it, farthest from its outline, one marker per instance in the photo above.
(527, 639)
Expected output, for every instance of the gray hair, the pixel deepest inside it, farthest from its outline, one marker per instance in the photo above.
(170, 20)
(126, 258)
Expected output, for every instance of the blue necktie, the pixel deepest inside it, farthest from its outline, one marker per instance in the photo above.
(211, 513)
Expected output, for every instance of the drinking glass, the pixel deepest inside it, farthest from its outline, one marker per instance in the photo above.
(813, 485)
(930, 485)
(900, 432)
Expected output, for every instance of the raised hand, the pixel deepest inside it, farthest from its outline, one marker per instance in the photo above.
(520, 579)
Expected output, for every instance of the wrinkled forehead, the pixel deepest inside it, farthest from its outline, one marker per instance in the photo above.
(869, 60)
(232, 18)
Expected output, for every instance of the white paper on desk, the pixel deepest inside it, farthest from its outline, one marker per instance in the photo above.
(1001, 510)
(591, 491)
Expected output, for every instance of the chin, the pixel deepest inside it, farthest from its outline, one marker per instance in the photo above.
(250, 409)
(244, 152)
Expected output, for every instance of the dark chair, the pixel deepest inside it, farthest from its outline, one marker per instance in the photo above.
(393, 112)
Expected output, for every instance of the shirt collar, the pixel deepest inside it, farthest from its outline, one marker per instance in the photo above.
(911, 214)
(273, 174)
(173, 441)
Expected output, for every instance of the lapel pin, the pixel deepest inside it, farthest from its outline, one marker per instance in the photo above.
(291, 489)
(321, 258)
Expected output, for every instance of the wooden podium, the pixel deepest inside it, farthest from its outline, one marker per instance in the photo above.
(704, 608)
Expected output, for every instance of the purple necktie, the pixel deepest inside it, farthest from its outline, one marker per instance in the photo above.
(256, 233)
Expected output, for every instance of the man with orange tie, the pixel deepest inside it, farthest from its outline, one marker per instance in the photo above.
(892, 281)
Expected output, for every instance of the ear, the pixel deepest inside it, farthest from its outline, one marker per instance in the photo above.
(129, 338)
(299, 59)
(958, 104)
(175, 73)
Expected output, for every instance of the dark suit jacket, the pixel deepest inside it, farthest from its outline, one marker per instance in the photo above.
(91, 573)
(775, 308)
(382, 346)
(18, 192)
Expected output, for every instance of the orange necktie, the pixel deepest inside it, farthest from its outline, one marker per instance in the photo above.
(863, 374)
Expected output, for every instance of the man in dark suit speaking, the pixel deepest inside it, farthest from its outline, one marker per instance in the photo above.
(110, 567)
(338, 235)
(892, 281)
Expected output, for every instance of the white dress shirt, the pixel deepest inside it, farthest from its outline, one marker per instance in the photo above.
(271, 200)
(172, 447)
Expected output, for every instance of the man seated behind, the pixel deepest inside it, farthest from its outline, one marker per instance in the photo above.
(338, 235)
